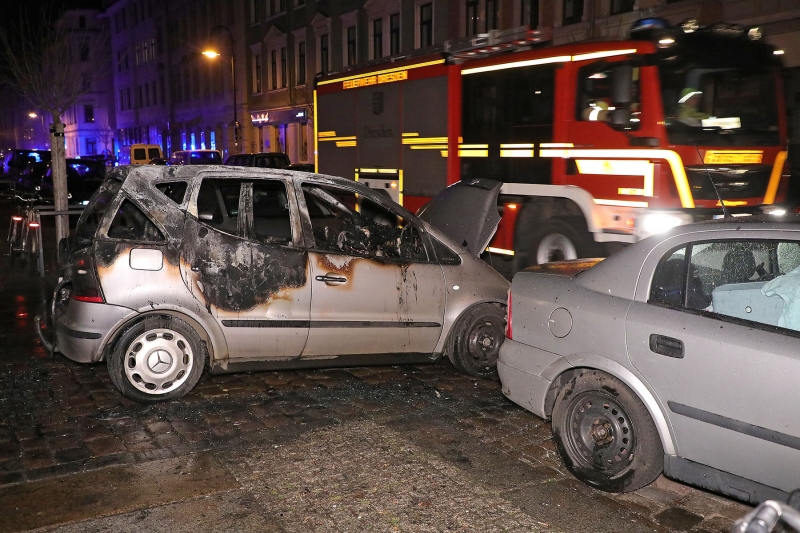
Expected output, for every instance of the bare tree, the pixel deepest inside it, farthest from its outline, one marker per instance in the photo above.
(41, 61)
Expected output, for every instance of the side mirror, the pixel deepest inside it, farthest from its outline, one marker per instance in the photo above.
(620, 117)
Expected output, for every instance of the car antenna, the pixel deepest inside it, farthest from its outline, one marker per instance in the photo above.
(725, 212)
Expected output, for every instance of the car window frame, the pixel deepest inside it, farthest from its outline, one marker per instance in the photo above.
(111, 213)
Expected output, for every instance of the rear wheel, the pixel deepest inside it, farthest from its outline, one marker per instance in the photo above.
(605, 435)
(558, 240)
(478, 336)
(157, 359)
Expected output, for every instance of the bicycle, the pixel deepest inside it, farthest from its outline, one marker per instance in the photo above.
(24, 233)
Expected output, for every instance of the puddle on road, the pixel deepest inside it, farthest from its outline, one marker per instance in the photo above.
(110, 491)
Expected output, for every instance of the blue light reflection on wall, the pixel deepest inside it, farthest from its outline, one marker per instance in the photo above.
(183, 140)
(194, 142)
(202, 140)
(213, 140)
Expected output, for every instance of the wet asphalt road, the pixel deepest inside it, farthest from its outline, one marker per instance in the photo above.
(408, 448)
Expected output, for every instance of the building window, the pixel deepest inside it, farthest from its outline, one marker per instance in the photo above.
(622, 6)
(425, 25)
(394, 34)
(84, 52)
(529, 14)
(351, 45)
(121, 100)
(255, 11)
(491, 15)
(301, 63)
(256, 73)
(472, 17)
(377, 38)
(81, 22)
(273, 69)
(573, 12)
(324, 54)
(283, 67)
(91, 146)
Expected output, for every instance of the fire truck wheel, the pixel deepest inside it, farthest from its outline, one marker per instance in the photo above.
(557, 240)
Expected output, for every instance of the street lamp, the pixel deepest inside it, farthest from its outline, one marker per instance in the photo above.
(33, 114)
(213, 54)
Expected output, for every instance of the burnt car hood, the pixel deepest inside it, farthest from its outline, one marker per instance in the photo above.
(466, 212)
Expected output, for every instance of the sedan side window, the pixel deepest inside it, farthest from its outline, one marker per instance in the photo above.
(346, 222)
(754, 280)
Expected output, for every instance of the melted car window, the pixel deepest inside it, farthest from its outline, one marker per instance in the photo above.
(98, 205)
(218, 204)
(271, 216)
(130, 223)
(344, 222)
(174, 190)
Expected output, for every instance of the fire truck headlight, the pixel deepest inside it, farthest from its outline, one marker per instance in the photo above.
(659, 222)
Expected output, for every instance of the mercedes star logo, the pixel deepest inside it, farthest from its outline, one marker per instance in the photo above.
(159, 361)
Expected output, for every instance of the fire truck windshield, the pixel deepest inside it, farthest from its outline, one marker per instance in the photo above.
(728, 106)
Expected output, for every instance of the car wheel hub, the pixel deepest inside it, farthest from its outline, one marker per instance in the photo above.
(600, 434)
(158, 361)
(483, 343)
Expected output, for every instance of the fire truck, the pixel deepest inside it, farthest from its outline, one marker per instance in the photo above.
(598, 144)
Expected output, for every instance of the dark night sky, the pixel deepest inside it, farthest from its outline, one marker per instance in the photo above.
(30, 10)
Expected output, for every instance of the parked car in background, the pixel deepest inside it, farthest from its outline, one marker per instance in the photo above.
(196, 157)
(301, 167)
(138, 154)
(15, 160)
(158, 161)
(84, 176)
(30, 177)
(676, 354)
(173, 270)
(262, 160)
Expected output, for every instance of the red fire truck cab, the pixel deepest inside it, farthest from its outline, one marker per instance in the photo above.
(598, 144)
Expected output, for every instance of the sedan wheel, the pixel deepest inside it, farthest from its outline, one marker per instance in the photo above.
(157, 359)
(605, 435)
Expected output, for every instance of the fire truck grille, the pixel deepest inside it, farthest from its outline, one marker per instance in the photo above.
(732, 182)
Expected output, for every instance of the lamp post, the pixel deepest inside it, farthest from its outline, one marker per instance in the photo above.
(41, 134)
(214, 54)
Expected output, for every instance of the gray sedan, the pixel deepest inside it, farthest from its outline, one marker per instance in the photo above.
(175, 269)
(677, 354)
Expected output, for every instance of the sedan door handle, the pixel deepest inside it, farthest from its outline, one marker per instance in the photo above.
(327, 278)
(668, 346)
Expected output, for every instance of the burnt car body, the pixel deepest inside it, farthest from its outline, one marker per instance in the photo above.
(172, 269)
(676, 354)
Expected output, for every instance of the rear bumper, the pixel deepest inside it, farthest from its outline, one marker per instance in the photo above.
(83, 329)
(520, 368)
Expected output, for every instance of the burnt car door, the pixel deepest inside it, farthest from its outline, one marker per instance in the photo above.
(377, 288)
(217, 266)
(705, 331)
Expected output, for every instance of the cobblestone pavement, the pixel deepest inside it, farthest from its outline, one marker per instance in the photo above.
(407, 448)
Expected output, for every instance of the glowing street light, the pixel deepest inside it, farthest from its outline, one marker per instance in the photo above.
(213, 54)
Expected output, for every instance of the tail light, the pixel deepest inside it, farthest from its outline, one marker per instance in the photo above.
(508, 315)
(33, 224)
(85, 285)
(16, 218)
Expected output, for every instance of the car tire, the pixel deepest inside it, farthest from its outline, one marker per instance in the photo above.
(157, 359)
(558, 240)
(604, 434)
(478, 336)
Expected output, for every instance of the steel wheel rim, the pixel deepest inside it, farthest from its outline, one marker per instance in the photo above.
(555, 247)
(599, 434)
(158, 361)
(483, 344)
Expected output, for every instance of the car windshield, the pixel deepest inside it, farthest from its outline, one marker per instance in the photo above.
(205, 158)
(93, 213)
(733, 106)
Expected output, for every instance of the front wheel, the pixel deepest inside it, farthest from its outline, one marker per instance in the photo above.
(476, 344)
(605, 435)
(157, 359)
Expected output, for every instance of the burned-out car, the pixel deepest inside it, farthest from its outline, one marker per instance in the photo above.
(175, 269)
(677, 354)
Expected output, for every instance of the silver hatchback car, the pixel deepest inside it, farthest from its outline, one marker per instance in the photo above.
(175, 269)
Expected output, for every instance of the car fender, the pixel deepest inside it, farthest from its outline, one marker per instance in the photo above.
(634, 382)
(208, 330)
